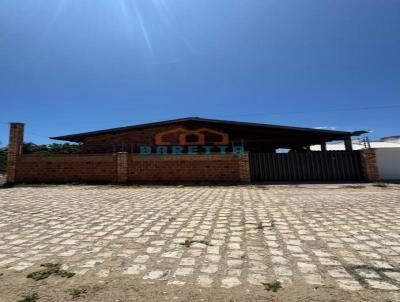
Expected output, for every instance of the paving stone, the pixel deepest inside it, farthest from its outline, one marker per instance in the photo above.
(282, 271)
(21, 266)
(279, 260)
(4, 262)
(152, 275)
(153, 250)
(230, 282)
(187, 261)
(307, 267)
(204, 280)
(348, 284)
(393, 275)
(377, 284)
(183, 272)
(256, 279)
(313, 279)
(141, 259)
(209, 269)
(174, 254)
(135, 269)
(366, 273)
(91, 263)
(339, 273)
(103, 273)
(213, 258)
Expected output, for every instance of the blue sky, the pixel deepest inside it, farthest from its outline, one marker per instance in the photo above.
(68, 66)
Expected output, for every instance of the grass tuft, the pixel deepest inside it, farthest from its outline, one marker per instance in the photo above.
(273, 286)
(29, 298)
(354, 187)
(50, 269)
(380, 185)
(77, 292)
(188, 243)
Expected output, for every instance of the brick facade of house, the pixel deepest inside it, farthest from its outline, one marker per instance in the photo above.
(127, 141)
(103, 165)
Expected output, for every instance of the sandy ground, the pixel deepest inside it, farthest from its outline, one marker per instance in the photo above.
(14, 286)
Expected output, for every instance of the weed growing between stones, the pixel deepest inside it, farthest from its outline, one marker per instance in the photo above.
(188, 243)
(354, 187)
(380, 185)
(273, 286)
(50, 269)
(29, 298)
(77, 292)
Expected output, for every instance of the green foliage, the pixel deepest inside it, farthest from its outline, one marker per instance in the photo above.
(31, 148)
(188, 243)
(50, 269)
(77, 292)
(354, 187)
(29, 298)
(273, 286)
(380, 185)
(3, 159)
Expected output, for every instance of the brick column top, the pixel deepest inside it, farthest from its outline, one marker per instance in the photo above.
(14, 149)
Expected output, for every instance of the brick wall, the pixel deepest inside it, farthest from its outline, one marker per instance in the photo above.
(369, 165)
(59, 168)
(131, 168)
(188, 168)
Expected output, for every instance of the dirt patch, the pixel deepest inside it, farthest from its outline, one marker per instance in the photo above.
(15, 286)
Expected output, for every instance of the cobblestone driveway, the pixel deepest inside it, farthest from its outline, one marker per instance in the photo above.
(217, 236)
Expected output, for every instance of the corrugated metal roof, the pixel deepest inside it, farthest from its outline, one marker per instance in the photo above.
(78, 137)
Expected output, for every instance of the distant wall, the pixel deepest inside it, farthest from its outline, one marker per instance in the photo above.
(131, 168)
(188, 168)
(54, 168)
(388, 160)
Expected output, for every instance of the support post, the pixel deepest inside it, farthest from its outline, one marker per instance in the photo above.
(15, 144)
(122, 167)
(244, 168)
(348, 144)
(323, 147)
(369, 165)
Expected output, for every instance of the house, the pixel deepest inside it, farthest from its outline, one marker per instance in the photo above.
(194, 149)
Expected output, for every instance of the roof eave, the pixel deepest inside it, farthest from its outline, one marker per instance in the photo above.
(79, 137)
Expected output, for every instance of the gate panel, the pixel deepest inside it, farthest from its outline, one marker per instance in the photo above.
(306, 166)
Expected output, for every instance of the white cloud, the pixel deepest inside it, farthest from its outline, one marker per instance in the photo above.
(326, 128)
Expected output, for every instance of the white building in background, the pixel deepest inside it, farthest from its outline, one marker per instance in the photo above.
(387, 154)
(358, 145)
(391, 139)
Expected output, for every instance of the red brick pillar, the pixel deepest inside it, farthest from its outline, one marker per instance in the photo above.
(244, 168)
(122, 167)
(369, 165)
(14, 149)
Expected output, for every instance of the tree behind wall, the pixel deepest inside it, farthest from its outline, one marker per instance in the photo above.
(3, 159)
(31, 148)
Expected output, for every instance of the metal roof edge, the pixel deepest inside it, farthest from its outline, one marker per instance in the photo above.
(77, 137)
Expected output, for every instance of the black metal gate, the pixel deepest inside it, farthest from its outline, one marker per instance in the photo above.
(306, 166)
